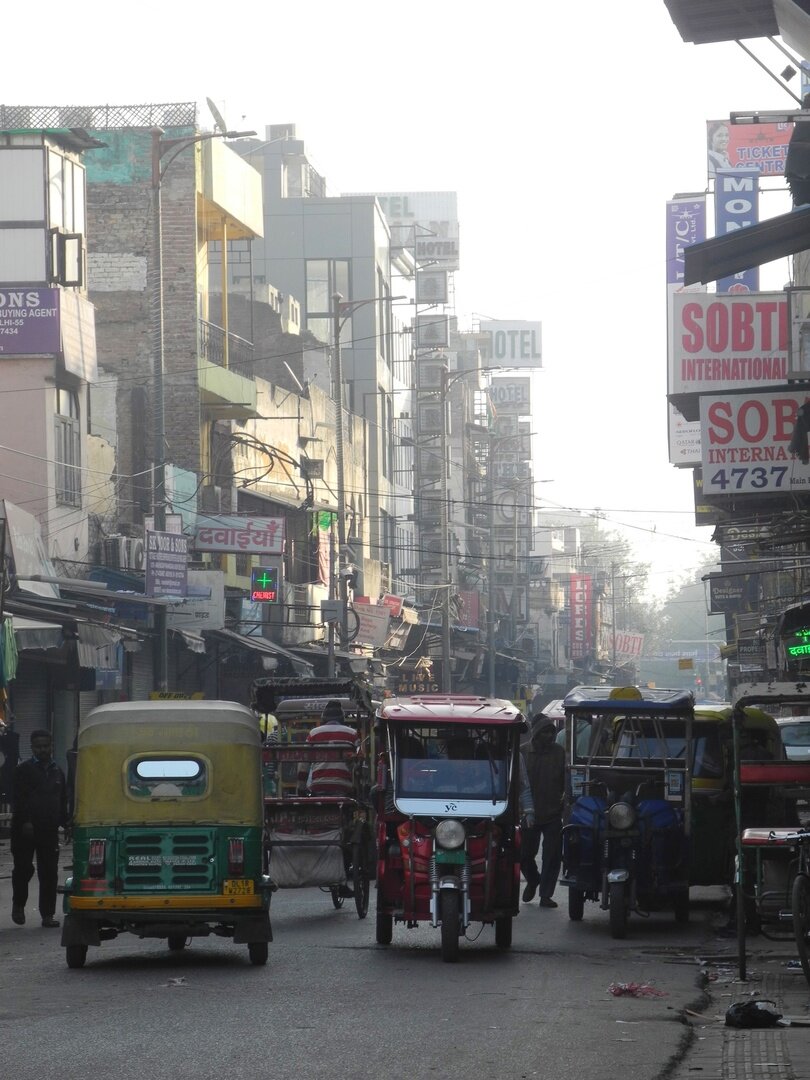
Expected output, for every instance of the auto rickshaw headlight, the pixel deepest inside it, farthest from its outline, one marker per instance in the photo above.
(621, 816)
(450, 834)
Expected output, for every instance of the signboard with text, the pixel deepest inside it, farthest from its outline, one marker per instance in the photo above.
(745, 443)
(736, 206)
(686, 225)
(166, 564)
(721, 343)
(246, 535)
(581, 632)
(514, 344)
(372, 624)
(264, 584)
(29, 321)
(762, 147)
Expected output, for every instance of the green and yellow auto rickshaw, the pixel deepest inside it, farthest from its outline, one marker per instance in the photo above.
(168, 828)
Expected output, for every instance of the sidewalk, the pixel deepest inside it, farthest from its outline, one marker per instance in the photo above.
(737, 1054)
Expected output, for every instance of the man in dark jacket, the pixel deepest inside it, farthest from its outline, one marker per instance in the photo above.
(39, 808)
(545, 767)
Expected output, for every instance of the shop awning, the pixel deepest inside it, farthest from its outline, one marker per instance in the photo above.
(194, 642)
(97, 647)
(705, 21)
(753, 245)
(269, 648)
(36, 634)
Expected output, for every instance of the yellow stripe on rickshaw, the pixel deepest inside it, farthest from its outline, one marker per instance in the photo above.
(162, 903)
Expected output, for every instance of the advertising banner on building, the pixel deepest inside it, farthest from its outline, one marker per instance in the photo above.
(722, 343)
(515, 344)
(29, 321)
(686, 225)
(626, 645)
(511, 396)
(166, 564)
(684, 439)
(426, 222)
(247, 535)
(432, 331)
(581, 605)
(746, 440)
(747, 146)
(372, 624)
(736, 206)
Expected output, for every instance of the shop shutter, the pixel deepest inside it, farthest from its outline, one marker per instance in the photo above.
(29, 702)
(141, 675)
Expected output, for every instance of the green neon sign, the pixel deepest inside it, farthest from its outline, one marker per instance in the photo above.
(264, 584)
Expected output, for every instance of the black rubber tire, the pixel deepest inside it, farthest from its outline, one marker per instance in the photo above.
(337, 900)
(617, 906)
(75, 955)
(258, 952)
(576, 904)
(360, 880)
(503, 932)
(681, 907)
(449, 915)
(176, 943)
(800, 906)
(385, 928)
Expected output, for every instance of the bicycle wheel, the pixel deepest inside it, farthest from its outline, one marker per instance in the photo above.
(337, 900)
(800, 906)
(360, 879)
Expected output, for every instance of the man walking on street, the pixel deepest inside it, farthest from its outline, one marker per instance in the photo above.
(545, 766)
(39, 808)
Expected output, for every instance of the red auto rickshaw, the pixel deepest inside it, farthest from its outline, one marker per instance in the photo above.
(448, 786)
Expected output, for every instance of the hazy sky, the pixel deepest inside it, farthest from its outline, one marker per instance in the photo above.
(564, 128)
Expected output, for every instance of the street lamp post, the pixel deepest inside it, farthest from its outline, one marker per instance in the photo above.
(160, 147)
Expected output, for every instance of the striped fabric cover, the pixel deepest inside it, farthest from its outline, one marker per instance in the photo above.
(332, 777)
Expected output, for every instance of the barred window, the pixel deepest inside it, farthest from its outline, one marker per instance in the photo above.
(67, 449)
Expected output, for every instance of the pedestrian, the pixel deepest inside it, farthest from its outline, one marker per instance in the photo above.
(545, 768)
(39, 808)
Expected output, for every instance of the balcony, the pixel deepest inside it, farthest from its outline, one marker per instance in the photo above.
(225, 364)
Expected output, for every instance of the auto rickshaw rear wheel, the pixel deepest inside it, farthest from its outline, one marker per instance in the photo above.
(448, 912)
(385, 928)
(258, 952)
(75, 955)
(337, 900)
(503, 932)
(681, 906)
(617, 903)
(576, 904)
(176, 942)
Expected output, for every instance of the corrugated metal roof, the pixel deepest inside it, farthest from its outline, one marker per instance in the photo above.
(704, 21)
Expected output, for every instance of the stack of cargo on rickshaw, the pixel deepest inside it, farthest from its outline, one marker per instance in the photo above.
(448, 808)
(168, 824)
(626, 840)
(318, 816)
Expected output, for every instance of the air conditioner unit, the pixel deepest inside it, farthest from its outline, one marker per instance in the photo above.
(123, 553)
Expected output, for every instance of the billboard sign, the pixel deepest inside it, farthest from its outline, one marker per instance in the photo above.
(372, 624)
(166, 564)
(762, 147)
(721, 343)
(427, 222)
(514, 344)
(746, 443)
(29, 321)
(510, 396)
(581, 631)
(259, 536)
(736, 206)
(686, 225)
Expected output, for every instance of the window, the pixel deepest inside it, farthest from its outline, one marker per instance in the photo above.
(67, 449)
(325, 277)
(166, 778)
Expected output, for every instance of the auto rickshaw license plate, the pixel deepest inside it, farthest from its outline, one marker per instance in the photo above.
(237, 887)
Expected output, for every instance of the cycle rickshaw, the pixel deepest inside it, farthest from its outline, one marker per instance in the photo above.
(773, 856)
(314, 839)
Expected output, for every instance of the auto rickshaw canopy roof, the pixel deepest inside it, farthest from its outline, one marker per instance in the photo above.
(200, 721)
(451, 709)
(628, 700)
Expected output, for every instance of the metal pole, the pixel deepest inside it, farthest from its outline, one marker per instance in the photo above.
(491, 577)
(343, 584)
(330, 669)
(444, 540)
(161, 650)
(613, 612)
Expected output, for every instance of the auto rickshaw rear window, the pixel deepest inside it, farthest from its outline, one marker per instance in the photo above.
(169, 778)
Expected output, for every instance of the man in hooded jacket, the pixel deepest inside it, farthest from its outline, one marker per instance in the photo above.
(545, 768)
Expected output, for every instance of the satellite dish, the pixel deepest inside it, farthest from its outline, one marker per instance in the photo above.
(219, 119)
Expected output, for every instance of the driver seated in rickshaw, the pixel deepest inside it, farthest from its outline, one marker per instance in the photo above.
(332, 778)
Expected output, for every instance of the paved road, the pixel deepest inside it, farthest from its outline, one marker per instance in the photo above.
(332, 1003)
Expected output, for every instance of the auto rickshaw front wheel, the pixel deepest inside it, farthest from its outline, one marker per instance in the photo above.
(448, 912)
(360, 880)
(176, 942)
(681, 906)
(75, 955)
(258, 952)
(617, 904)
